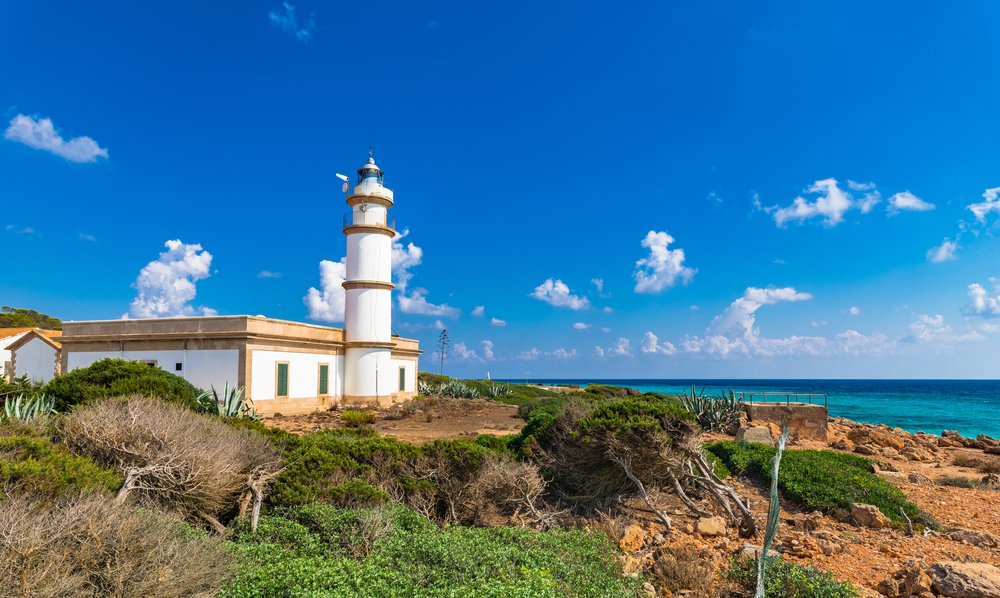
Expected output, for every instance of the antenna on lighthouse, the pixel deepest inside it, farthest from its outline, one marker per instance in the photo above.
(344, 178)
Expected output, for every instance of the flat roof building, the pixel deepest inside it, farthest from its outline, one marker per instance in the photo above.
(286, 367)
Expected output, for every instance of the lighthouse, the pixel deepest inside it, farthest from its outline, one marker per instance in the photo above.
(369, 372)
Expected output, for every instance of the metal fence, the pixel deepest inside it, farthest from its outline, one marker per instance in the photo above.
(790, 397)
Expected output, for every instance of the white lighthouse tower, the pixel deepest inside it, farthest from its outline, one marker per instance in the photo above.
(368, 368)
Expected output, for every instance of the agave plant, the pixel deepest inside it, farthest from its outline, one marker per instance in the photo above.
(426, 389)
(495, 391)
(25, 407)
(714, 413)
(231, 403)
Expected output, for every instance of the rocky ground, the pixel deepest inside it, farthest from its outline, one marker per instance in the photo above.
(960, 561)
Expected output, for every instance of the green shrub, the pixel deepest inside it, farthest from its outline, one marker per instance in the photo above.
(317, 550)
(33, 465)
(825, 480)
(118, 377)
(783, 579)
(356, 419)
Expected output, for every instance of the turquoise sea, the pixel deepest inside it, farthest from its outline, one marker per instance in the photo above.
(969, 406)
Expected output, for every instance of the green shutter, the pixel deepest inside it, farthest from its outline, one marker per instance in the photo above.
(324, 379)
(402, 379)
(282, 390)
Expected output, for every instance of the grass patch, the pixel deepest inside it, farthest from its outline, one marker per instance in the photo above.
(783, 579)
(318, 550)
(357, 419)
(823, 480)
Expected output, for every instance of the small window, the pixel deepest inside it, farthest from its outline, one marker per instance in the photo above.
(324, 379)
(402, 379)
(150, 362)
(178, 366)
(281, 380)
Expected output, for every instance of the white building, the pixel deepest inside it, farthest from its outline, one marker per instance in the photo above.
(35, 355)
(286, 367)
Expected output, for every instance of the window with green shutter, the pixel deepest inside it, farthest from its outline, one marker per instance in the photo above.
(402, 379)
(281, 382)
(324, 379)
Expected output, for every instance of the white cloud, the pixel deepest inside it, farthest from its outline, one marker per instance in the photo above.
(598, 284)
(651, 344)
(983, 303)
(779, 261)
(852, 342)
(498, 322)
(166, 285)
(927, 329)
(488, 350)
(991, 203)
(738, 319)
(831, 205)
(581, 326)
(416, 303)
(326, 304)
(607, 310)
(404, 258)
(529, 355)
(854, 310)
(818, 323)
(871, 196)
(460, 352)
(663, 267)
(479, 310)
(288, 22)
(622, 348)
(24, 230)
(41, 134)
(557, 294)
(269, 274)
(87, 237)
(907, 201)
(944, 252)
(563, 354)
(605, 329)
(734, 331)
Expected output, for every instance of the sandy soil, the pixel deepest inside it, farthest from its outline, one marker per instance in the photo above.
(423, 420)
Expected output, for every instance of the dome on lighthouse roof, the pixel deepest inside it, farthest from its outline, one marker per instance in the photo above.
(370, 168)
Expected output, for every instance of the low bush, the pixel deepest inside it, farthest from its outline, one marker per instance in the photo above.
(356, 419)
(118, 377)
(783, 579)
(683, 568)
(317, 550)
(473, 482)
(173, 459)
(819, 480)
(962, 482)
(982, 463)
(92, 547)
(33, 465)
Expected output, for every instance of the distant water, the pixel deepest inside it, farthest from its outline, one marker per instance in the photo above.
(970, 406)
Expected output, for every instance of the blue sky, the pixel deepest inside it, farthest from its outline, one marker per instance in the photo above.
(533, 148)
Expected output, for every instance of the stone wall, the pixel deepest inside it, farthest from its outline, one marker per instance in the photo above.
(804, 421)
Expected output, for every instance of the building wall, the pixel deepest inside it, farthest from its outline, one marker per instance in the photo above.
(5, 356)
(35, 359)
(303, 381)
(203, 368)
(411, 375)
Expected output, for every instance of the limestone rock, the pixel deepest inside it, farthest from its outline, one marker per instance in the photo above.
(877, 436)
(974, 538)
(751, 551)
(711, 526)
(633, 539)
(758, 434)
(965, 580)
(868, 516)
(919, 478)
